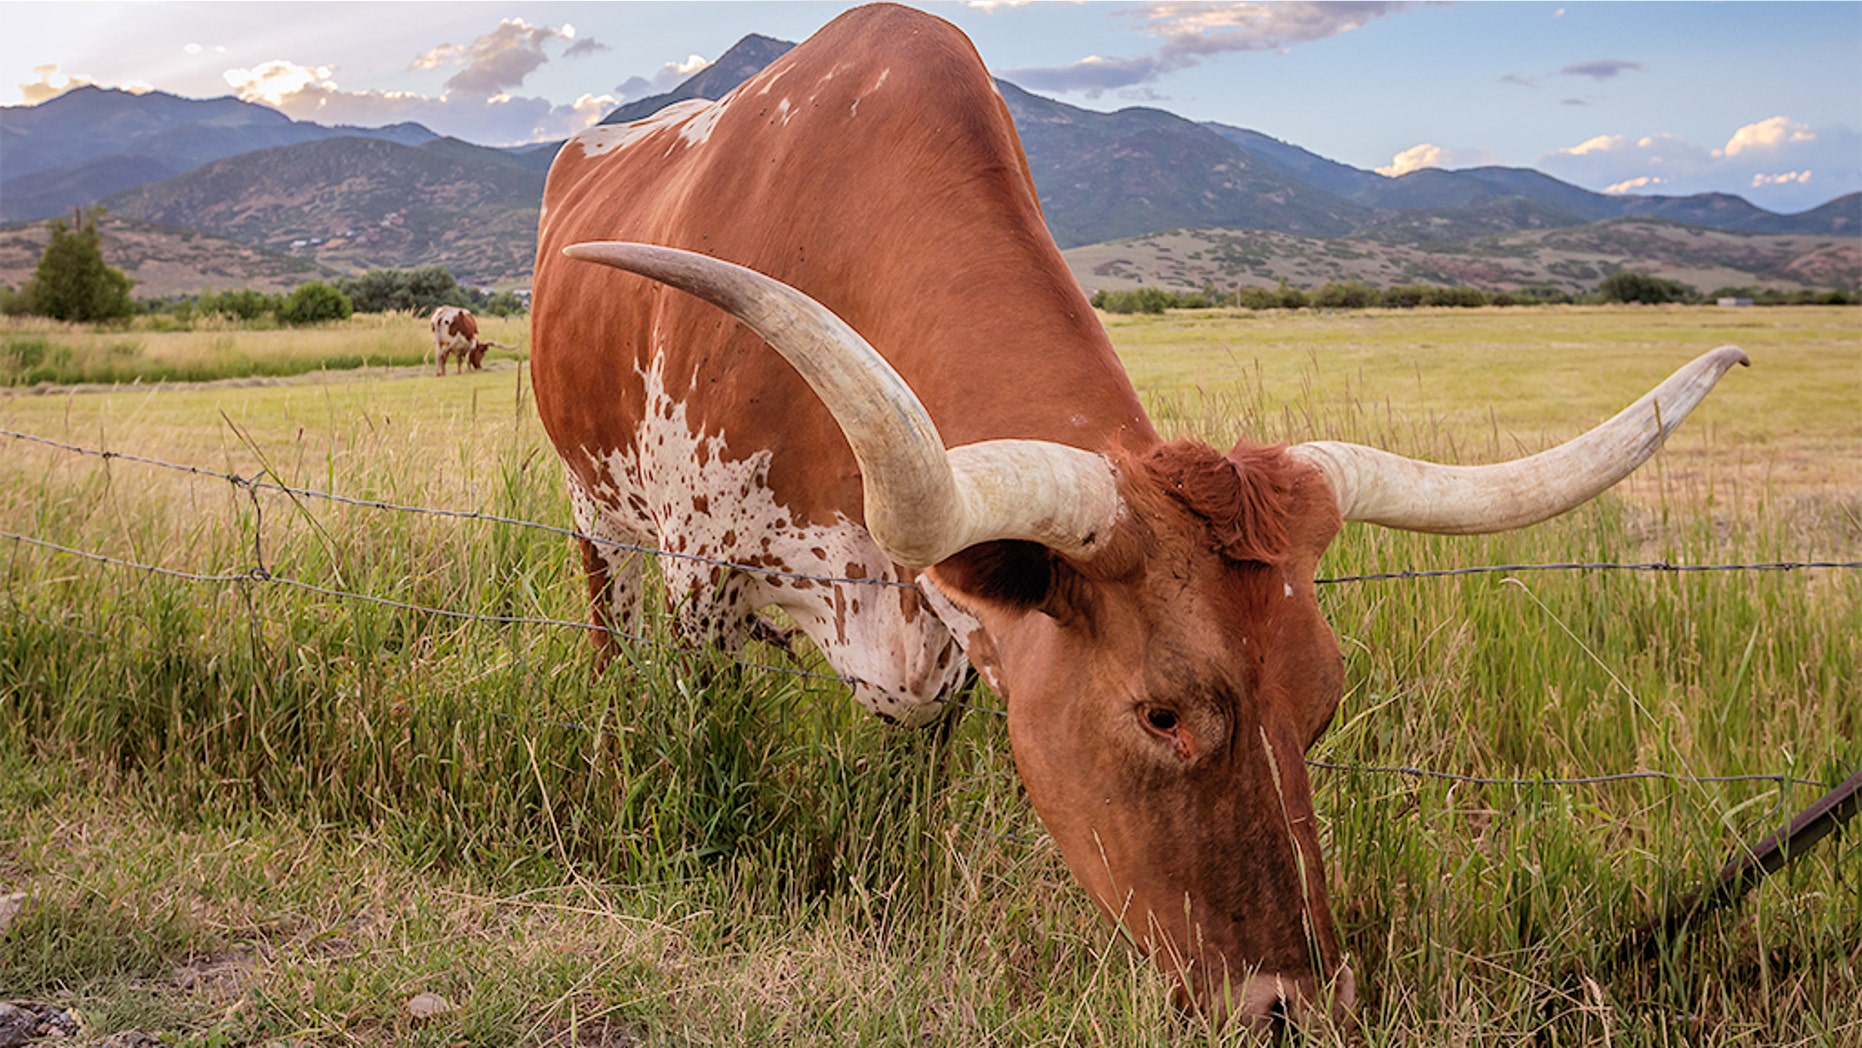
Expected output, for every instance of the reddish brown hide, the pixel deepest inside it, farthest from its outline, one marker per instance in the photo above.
(1152, 622)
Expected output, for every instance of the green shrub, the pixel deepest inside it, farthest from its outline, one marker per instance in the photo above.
(1457, 297)
(314, 303)
(418, 291)
(1627, 286)
(1346, 295)
(240, 303)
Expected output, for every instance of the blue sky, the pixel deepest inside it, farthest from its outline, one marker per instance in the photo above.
(1761, 100)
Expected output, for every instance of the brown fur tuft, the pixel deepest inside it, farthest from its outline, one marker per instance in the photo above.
(1243, 496)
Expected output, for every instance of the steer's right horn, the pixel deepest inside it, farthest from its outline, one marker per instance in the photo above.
(1381, 488)
(923, 502)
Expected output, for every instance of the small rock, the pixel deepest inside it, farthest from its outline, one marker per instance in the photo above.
(425, 1006)
(17, 1025)
(22, 1022)
(11, 907)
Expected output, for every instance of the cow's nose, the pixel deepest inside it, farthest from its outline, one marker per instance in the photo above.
(1276, 1002)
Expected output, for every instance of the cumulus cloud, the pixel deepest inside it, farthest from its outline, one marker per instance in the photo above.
(1800, 177)
(277, 82)
(498, 61)
(48, 83)
(667, 77)
(1766, 136)
(477, 102)
(1628, 184)
(1602, 69)
(1774, 158)
(1417, 157)
(1193, 32)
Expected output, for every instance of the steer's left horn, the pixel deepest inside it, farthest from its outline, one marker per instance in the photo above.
(1381, 488)
(923, 503)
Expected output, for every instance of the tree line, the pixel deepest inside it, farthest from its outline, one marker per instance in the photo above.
(73, 282)
(1623, 287)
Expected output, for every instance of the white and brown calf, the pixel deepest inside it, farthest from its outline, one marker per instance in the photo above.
(455, 334)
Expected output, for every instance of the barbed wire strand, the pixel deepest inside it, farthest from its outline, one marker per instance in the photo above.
(255, 484)
(261, 574)
(429, 511)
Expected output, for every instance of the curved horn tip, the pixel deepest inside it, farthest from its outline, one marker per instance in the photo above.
(1727, 356)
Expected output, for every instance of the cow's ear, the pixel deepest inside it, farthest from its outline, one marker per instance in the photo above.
(1015, 576)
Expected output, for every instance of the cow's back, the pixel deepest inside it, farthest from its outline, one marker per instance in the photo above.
(874, 167)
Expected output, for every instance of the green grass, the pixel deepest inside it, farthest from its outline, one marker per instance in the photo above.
(35, 351)
(251, 814)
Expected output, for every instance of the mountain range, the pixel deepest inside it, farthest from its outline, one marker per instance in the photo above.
(401, 196)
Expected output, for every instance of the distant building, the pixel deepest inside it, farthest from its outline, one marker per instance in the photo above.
(1735, 303)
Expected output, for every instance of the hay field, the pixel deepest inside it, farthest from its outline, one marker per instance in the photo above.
(253, 812)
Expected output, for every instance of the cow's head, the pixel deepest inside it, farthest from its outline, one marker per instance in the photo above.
(1150, 616)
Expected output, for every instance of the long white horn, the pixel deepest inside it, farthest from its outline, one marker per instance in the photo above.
(1381, 488)
(923, 503)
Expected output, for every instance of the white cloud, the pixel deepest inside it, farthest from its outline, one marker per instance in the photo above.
(499, 60)
(1599, 144)
(1629, 184)
(1772, 159)
(478, 102)
(1766, 135)
(1418, 157)
(51, 83)
(274, 83)
(1800, 177)
(1192, 32)
(667, 77)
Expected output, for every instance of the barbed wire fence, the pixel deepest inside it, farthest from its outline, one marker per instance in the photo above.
(260, 573)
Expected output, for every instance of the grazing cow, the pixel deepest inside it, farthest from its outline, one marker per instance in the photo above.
(455, 334)
(1145, 607)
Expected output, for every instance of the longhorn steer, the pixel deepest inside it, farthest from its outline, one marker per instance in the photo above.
(1146, 608)
(455, 334)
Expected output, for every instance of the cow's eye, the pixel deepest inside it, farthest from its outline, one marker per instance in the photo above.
(1161, 718)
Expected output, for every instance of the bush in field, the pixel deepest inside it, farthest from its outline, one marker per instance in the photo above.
(419, 291)
(503, 304)
(1346, 295)
(1543, 295)
(240, 303)
(1627, 286)
(1257, 298)
(1155, 300)
(314, 303)
(1457, 297)
(72, 281)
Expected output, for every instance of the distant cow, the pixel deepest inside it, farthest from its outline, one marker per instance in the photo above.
(455, 334)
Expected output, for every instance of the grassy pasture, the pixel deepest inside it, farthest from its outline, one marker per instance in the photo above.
(36, 350)
(248, 813)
